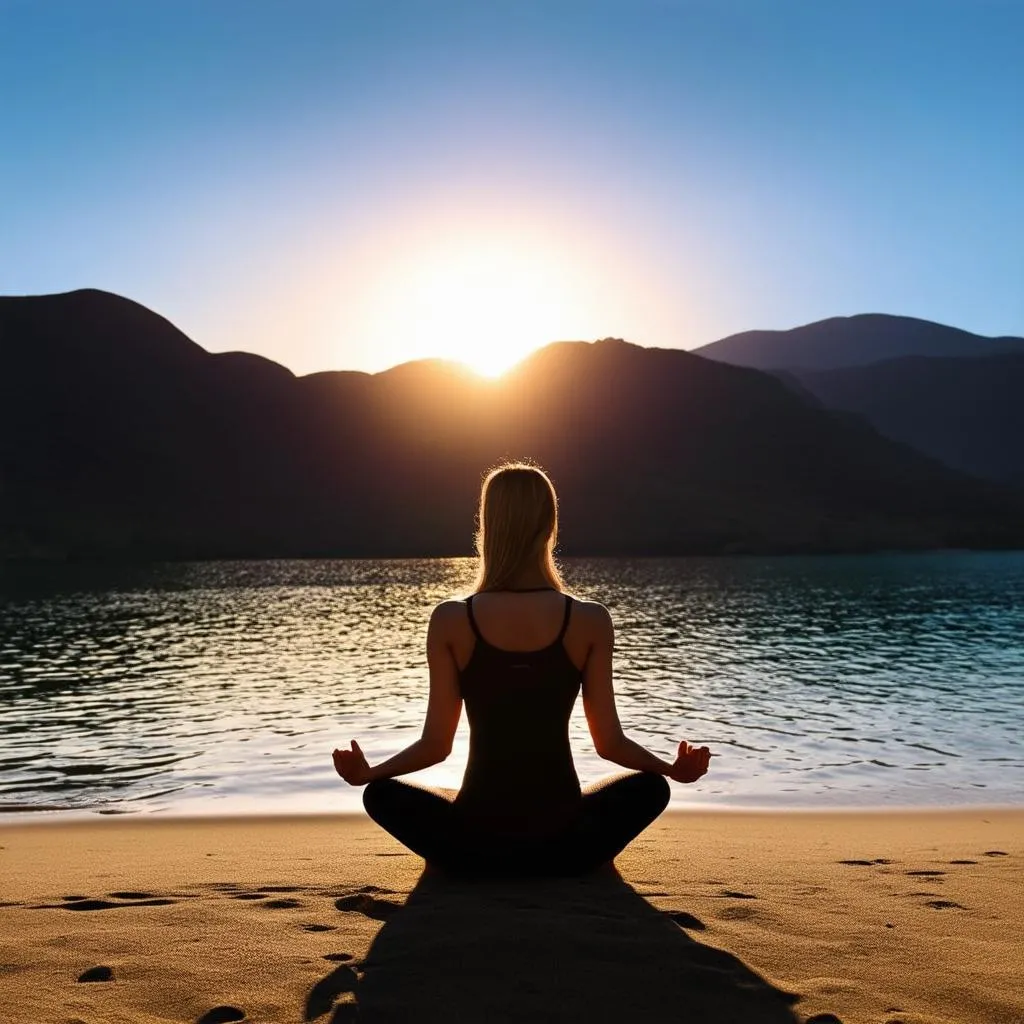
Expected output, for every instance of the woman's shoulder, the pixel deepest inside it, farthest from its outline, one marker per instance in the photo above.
(448, 610)
(448, 621)
(591, 614)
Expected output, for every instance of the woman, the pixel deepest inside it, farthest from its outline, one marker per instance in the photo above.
(518, 651)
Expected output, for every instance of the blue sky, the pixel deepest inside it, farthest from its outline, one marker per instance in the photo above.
(350, 184)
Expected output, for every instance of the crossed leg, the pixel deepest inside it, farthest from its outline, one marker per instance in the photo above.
(612, 813)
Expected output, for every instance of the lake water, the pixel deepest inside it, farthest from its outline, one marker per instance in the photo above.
(867, 681)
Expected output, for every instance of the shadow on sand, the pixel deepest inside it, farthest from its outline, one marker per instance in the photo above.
(588, 949)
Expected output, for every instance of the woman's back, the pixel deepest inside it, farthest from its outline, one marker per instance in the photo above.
(519, 685)
(516, 655)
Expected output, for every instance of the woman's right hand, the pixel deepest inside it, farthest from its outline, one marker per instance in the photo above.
(690, 763)
(351, 765)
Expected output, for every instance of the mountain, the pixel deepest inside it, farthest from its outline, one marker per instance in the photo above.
(852, 341)
(121, 437)
(968, 413)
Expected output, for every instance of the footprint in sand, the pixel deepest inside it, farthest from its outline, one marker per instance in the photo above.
(996, 853)
(323, 994)
(222, 1015)
(370, 906)
(84, 903)
(249, 896)
(865, 863)
(736, 914)
(132, 895)
(944, 905)
(319, 927)
(97, 974)
(282, 904)
(963, 862)
(685, 920)
(338, 957)
(734, 895)
(926, 874)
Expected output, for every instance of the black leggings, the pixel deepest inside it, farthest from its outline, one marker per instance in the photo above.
(613, 812)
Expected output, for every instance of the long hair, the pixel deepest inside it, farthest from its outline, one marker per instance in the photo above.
(517, 526)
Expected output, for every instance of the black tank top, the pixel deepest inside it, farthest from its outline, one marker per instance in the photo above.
(520, 778)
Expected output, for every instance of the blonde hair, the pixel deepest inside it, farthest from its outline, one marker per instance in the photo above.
(517, 526)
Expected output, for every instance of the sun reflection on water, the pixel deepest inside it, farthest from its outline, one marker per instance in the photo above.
(224, 686)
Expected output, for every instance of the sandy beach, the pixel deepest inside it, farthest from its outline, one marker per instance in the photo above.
(914, 917)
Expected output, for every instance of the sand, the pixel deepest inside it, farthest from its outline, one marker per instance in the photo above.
(726, 917)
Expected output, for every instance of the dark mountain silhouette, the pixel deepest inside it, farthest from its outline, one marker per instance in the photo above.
(967, 412)
(852, 341)
(122, 437)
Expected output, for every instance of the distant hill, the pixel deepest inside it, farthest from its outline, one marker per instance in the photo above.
(121, 437)
(967, 412)
(852, 341)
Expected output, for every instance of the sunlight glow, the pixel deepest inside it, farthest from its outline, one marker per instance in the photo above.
(478, 301)
(486, 310)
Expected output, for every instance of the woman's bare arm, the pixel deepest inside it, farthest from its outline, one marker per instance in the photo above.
(610, 741)
(444, 706)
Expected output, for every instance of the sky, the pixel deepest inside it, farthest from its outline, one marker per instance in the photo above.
(349, 184)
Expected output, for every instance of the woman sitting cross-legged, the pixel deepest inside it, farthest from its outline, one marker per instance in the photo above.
(518, 651)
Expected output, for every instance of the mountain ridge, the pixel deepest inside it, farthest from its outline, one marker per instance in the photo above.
(116, 445)
(857, 340)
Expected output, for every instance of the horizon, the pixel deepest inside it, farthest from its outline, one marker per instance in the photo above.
(346, 187)
(489, 376)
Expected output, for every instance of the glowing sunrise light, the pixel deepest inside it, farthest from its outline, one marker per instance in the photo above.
(484, 305)
(486, 309)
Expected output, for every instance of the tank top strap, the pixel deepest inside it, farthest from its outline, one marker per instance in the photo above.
(565, 620)
(472, 618)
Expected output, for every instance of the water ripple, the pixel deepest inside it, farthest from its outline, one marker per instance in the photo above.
(217, 686)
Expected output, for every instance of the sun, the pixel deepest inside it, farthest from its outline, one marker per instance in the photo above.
(484, 304)
(486, 309)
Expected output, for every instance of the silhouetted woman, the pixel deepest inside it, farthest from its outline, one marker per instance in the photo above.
(518, 651)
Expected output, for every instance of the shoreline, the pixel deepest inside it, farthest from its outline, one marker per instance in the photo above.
(63, 816)
(754, 917)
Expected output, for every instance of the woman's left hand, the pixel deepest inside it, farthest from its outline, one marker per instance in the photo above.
(690, 763)
(351, 765)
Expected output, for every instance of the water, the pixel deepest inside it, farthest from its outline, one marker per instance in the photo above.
(223, 687)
